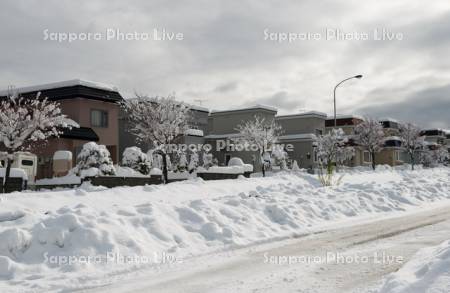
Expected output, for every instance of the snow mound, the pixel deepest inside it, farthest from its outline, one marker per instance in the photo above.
(186, 219)
(427, 271)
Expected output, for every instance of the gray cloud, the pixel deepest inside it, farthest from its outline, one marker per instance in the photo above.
(428, 108)
(224, 58)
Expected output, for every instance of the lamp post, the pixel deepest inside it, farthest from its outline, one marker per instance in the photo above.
(359, 76)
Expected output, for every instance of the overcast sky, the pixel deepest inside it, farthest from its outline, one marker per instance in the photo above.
(225, 59)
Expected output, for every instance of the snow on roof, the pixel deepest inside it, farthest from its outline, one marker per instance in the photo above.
(194, 132)
(388, 119)
(346, 116)
(255, 107)
(298, 136)
(303, 115)
(60, 84)
(217, 136)
(392, 138)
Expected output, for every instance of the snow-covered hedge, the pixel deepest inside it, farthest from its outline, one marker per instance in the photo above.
(94, 160)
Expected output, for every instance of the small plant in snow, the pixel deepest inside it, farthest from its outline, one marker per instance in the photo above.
(134, 158)
(181, 162)
(295, 166)
(332, 150)
(94, 160)
(411, 140)
(280, 157)
(370, 135)
(260, 133)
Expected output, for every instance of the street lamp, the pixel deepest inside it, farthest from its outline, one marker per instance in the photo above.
(359, 76)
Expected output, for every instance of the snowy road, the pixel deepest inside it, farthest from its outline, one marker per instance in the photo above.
(252, 269)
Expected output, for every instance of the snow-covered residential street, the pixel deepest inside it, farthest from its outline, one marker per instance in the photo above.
(198, 236)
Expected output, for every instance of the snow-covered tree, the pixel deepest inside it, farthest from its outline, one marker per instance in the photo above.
(134, 158)
(24, 121)
(193, 162)
(158, 121)
(370, 135)
(295, 166)
(332, 150)
(181, 162)
(94, 160)
(411, 140)
(207, 159)
(434, 157)
(260, 133)
(279, 157)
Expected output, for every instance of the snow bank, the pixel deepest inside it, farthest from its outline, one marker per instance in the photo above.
(427, 271)
(185, 219)
(222, 170)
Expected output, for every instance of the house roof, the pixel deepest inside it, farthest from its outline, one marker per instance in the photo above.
(255, 107)
(303, 115)
(69, 89)
(81, 133)
(306, 136)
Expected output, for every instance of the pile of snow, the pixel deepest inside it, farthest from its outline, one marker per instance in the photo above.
(68, 179)
(222, 170)
(428, 271)
(62, 155)
(235, 161)
(128, 172)
(188, 218)
(194, 132)
(14, 173)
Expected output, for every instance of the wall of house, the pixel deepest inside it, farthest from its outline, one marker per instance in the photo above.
(227, 122)
(303, 153)
(301, 125)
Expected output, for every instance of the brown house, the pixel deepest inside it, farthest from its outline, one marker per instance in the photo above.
(92, 105)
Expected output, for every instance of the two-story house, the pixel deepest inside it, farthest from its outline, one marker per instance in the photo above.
(300, 131)
(92, 105)
(222, 129)
(348, 123)
(392, 153)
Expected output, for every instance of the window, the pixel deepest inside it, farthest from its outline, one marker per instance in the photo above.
(99, 118)
(397, 156)
(367, 157)
(27, 163)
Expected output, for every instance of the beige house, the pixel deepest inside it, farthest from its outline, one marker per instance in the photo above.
(92, 105)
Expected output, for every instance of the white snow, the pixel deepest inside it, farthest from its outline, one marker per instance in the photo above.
(235, 161)
(15, 173)
(62, 155)
(222, 170)
(428, 271)
(60, 84)
(68, 179)
(194, 132)
(186, 219)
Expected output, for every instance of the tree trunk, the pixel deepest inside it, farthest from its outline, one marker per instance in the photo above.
(7, 174)
(412, 161)
(263, 164)
(373, 160)
(165, 172)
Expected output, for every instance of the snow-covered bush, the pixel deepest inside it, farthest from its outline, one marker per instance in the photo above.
(295, 166)
(279, 157)
(134, 158)
(94, 160)
(180, 163)
(435, 157)
(207, 159)
(194, 161)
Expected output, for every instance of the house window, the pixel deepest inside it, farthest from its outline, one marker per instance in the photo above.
(397, 156)
(367, 157)
(99, 118)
